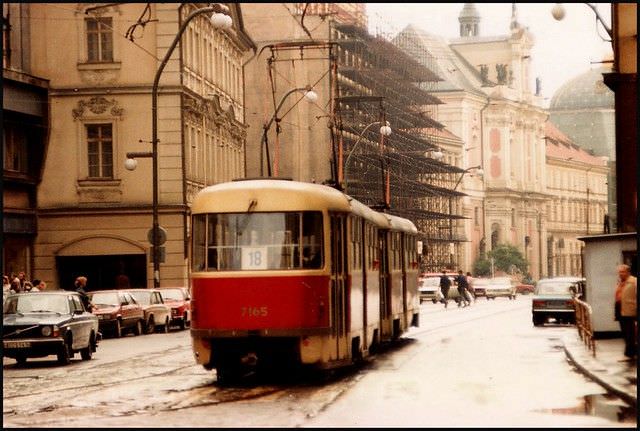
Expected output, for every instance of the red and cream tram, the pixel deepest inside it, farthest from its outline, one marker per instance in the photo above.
(290, 271)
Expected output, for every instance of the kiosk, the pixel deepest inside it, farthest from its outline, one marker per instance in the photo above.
(601, 255)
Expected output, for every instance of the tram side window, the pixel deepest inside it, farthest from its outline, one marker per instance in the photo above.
(312, 240)
(356, 243)
(199, 244)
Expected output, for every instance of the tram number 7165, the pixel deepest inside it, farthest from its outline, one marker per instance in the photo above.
(254, 311)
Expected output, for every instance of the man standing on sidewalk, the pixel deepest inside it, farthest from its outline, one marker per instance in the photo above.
(625, 309)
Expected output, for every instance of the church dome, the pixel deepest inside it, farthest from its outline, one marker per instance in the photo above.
(583, 109)
(585, 91)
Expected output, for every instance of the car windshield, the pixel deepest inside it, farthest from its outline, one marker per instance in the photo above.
(105, 299)
(142, 297)
(257, 241)
(175, 294)
(36, 303)
(556, 288)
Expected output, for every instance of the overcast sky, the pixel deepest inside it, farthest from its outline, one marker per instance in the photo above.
(562, 50)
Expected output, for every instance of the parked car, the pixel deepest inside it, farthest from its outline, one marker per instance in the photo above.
(179, 300)
(500, 286)
(524, 288)
(554, 298)
(39, 324)
(427, 287)
(479, 287)
(157, 314)
(117, 312)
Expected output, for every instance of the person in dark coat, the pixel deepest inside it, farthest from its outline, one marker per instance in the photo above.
(463, 287)
(80, 284)
(445, 284)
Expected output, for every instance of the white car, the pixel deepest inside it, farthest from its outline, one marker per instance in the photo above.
(428, 288)
(500, 286)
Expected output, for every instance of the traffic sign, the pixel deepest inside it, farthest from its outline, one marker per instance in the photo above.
(162, 235)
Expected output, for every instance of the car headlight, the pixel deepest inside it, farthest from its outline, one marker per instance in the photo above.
(46, 331)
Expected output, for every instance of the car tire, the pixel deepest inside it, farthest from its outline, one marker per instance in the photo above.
(434, 301)
(187, 321)
(87, 352)
(165, 327)
(537, 321)
(21, 360)
(137, 330)
(151, 325)
(182, 324)
(117, 332)
(64, 354)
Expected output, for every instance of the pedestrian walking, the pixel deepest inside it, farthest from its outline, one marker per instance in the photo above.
(463, 289)
(470, 283)
(625, 310)
(16, 287)
(445, 284)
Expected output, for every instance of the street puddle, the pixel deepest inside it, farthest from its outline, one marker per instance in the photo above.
(602, 405)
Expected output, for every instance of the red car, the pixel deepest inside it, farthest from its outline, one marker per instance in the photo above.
(117, 312)
(179, 300)
(524, 289)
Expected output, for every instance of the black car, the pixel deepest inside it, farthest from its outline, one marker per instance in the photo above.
(48, 323)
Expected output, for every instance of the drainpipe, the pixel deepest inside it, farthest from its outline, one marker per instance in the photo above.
(484, 214)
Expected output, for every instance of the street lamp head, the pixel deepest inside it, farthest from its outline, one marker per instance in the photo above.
(130, 164)
(558, 12)
(221, 20)
(385, 130)
(311, 96)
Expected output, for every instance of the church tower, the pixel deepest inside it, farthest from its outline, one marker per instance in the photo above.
(469, 21)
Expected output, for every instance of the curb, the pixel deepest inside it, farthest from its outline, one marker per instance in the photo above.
(625, 395)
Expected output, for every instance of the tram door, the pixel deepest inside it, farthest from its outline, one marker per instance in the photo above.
(404, 259)
(339, 281)
(385, 285)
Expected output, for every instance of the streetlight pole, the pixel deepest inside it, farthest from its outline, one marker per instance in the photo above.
(384, 131)
(219, 19)
(586, 178)
(311, 96)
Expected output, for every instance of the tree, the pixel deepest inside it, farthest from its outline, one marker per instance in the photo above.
(506, 257)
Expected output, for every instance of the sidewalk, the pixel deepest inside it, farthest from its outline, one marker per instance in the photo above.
(619, 378)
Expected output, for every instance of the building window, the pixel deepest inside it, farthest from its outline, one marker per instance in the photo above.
(476, 217)
(100, 150)
(15, 149)
(99, 40)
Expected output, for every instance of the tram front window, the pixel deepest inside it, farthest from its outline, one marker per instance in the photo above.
(257, 241)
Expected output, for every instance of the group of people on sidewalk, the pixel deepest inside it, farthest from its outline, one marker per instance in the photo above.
(462, 282)
(18, 283)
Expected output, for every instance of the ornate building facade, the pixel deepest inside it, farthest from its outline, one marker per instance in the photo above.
(93, 215)
(489, 104)
(577, 183)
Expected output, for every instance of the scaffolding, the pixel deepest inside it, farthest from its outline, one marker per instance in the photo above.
(371, 83)
(379, 83)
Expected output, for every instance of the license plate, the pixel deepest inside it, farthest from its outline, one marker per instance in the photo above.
(16, 344)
